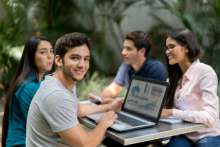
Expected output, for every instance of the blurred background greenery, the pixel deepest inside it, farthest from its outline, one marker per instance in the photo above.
(106, 22)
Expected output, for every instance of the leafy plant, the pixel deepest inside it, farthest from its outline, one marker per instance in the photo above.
(9, 36)
(94, 84)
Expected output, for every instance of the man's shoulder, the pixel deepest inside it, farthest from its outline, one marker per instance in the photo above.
(154, 64)
(59, 94)
(51, 83)
(155, 61)
(123, 65)
(55, 98)
(48, 87)
(155, 69)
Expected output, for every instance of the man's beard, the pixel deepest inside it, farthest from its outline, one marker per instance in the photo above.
(132, 60)
(67, 73)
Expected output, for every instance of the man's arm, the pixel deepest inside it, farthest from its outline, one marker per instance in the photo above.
(112, 90)
(78, 137)
(86, 109)
(109, 92)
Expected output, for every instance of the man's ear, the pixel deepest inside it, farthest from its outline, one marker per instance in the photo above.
(142, 51)
(58, 61)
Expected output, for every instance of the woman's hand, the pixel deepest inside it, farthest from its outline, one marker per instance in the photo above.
(166, 113)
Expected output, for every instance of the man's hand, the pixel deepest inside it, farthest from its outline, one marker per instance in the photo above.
(107, 118)
(166, 113)
(107, 100)
(117, 104)
(92, 99)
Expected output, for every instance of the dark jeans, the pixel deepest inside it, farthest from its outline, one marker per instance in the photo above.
(182, 141)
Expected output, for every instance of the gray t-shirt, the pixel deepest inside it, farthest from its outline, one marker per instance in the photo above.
(53, 109)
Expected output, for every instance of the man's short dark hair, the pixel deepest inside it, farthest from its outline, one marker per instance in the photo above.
(68, 41)
(141, 40)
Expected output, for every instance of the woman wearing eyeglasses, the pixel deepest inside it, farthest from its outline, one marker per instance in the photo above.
(193, 90)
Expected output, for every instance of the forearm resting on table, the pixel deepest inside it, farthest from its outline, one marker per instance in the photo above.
(111, 91)
(195, 116)
(86, 109)
(98, 134)
(78, 137)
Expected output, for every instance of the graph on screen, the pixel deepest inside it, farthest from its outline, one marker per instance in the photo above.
(145, 97)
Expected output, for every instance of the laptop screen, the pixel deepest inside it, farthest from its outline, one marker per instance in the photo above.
(145, 97)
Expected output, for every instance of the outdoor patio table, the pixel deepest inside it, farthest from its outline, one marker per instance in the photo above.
(161, 130)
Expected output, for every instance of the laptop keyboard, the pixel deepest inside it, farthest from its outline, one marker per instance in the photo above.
(129, 120)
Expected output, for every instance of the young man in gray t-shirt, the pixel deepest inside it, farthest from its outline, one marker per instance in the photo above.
(52, 118)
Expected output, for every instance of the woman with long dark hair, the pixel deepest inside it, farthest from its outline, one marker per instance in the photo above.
(193, 90)
(37, 58)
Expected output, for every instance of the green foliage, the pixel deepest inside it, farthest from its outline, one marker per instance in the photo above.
(26, 13)
(101, 58)
(8, 73)
(94, 84)
(9, 37)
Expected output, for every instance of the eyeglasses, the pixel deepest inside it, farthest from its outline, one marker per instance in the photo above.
(170, 47)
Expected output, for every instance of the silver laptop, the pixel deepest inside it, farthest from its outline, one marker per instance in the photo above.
(143, 105)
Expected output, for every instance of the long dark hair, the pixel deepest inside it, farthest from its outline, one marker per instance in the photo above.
(25, 67)
(184, 37)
